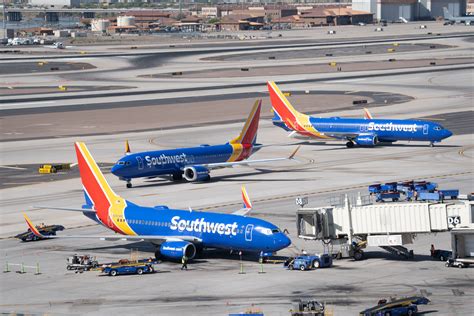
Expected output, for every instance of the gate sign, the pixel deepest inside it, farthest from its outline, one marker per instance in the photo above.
(454, 220)
(302, 201)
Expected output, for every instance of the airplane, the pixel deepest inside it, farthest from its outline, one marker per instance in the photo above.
(194, 163)
(366, 132)
(174, 232)
(450, 19)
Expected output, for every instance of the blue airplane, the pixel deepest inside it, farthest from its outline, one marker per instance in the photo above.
(362, 132)
(174, 232)
(194, 163)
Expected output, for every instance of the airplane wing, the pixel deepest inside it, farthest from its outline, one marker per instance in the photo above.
(218, 165)
(247, 204)
(149, 238)
(65, 208)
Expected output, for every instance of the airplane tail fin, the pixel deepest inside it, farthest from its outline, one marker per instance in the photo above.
(367, 114)
(248, 135)
(281, 106)
(127, 148)
(96, 189)
(447, 14)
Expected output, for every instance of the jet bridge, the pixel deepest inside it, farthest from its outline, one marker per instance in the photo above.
(351, 221)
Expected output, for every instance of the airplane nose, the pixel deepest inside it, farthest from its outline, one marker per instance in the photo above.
(116, 169)
(447, 133)
(284, 241)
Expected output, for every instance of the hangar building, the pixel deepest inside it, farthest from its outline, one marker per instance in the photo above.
(392, 10)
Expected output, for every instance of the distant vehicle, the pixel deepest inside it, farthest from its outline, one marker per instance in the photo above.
(449, 19)
(309, 262)
(366, 132)
(441, 255)
(361, 24)
(195, 163)
(128, 268)
(59, 45)
(459, 262)
(175, 233)
(49, 230)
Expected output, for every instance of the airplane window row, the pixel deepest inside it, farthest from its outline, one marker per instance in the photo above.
(150, 223)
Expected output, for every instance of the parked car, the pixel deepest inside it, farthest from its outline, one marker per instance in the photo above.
(442, 255)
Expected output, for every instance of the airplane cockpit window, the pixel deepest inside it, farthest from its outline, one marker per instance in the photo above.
(127, 163)
(121, 163)
(275, 231)
(265, 231)
(437, 128)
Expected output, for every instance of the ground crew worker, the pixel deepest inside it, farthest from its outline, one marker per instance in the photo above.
(184, 261)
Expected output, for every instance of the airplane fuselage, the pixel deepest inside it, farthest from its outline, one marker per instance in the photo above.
(215, 230)
(384, 130)
(173, 161)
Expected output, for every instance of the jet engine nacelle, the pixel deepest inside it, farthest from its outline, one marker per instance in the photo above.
(196, 173)
(176, 249)
(366, 140)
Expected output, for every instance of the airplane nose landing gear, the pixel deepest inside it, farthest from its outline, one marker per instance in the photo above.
(349, 144)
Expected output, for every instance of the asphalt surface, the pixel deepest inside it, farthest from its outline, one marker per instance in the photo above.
(163, 114)
(39, 67)
(213, 285)
(226, 86)
(329, 52)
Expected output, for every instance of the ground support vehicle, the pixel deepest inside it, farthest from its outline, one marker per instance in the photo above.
(459, 263)
(403, 306)
(128, 268)
(49, 230)
(81, 263)
(390, 195)
(310, 262)
(308, 308)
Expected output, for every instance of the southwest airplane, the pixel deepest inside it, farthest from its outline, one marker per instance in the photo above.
(194, 163)
(361, 132)
(174, 232)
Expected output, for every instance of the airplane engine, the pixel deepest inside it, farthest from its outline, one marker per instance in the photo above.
(196, 173)
(176, 249)
(366, 140)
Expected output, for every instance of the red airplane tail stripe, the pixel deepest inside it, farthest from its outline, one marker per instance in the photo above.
(91, 183)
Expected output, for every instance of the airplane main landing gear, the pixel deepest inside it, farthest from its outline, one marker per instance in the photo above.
(349, 144)
(129, 184)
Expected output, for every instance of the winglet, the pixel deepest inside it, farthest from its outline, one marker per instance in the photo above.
(246, 199)
(127, 148)
(293, 154)
(32, 227)
(367, 114)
